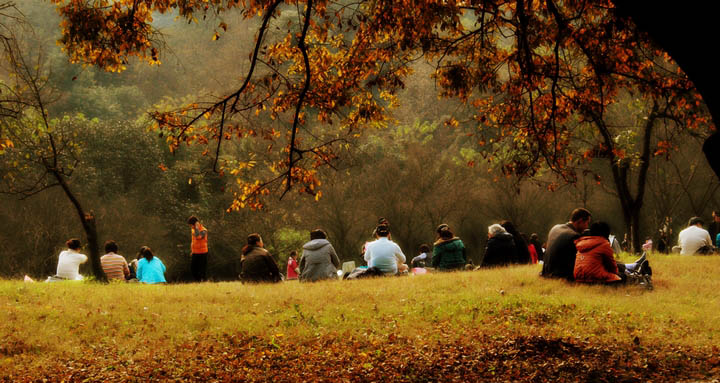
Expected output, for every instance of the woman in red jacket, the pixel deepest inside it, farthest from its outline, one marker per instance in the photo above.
(594, 262)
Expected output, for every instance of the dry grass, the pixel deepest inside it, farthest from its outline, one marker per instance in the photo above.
(42, 322)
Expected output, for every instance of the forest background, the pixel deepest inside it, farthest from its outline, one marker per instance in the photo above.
(417, 170)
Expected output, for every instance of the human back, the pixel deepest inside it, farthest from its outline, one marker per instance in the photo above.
(114, 265)
(319, 259)
(594, 261)
(383, 253)
(448, 250)
(559, 258)
(150, 269)
(69, 261)
(694, 239)
(257, 265)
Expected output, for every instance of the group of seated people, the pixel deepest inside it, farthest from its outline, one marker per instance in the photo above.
(578, 251)
(146, 268)
(575, 251)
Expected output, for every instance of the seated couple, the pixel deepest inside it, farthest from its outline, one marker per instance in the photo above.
(594, 261)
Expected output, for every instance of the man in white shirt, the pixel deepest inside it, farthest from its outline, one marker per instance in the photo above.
(384, 253)
(694, 239)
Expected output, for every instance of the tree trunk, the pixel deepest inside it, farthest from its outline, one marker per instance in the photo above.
(635, 230)
(88, 223)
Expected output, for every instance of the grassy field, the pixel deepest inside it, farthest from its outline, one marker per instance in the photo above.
(493, 325)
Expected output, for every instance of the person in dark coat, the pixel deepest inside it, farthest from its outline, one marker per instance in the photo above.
(521, 246)
(500, 247)
(448, 250)
(256, 264)
(559, 259)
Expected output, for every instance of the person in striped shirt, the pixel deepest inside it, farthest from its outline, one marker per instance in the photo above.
(114, 265)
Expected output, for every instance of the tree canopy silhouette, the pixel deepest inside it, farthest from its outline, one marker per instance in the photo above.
(539, 76)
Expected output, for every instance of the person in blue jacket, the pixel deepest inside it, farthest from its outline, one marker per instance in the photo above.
(150, 268)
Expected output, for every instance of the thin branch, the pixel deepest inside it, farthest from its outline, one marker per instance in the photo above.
(301, 100)
(236, 95)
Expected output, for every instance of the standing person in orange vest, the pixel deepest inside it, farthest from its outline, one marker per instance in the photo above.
(198, 249)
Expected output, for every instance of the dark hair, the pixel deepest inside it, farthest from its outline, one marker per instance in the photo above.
(73, 243)
(441, 227)
(111, 247)
(317, 234)
(293, 253)
(445, 232)
(535, 240)
(509, 227)
(600, 229)
(580, 214)
(424, 248)
(146, 252)
(252, 241)
(192, 220)
(382, 231)
(383, 221)
(695, 221)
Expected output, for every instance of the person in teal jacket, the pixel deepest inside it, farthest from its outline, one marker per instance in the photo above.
(448, 250)
(150, 268)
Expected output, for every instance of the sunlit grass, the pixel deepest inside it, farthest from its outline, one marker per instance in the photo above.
(63, 320)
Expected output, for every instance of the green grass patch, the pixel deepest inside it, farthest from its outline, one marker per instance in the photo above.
(120, 328)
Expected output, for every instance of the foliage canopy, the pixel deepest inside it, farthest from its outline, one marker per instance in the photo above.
(533, 73)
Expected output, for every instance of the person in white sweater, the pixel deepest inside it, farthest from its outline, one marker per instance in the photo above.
(694, 239)
(70, 260)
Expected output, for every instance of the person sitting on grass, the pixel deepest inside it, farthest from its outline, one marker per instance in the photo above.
(293, 269)
(694, 239)
(424, 259)
(448, 250)
(385, 254)
(256, 263)
(559, 258)
(535, 242)
(150, 268)
(522, 253)
(594, 262)
(531, 249)
(500, 247)
(69, 261)
(114, 265)
(319, 260)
